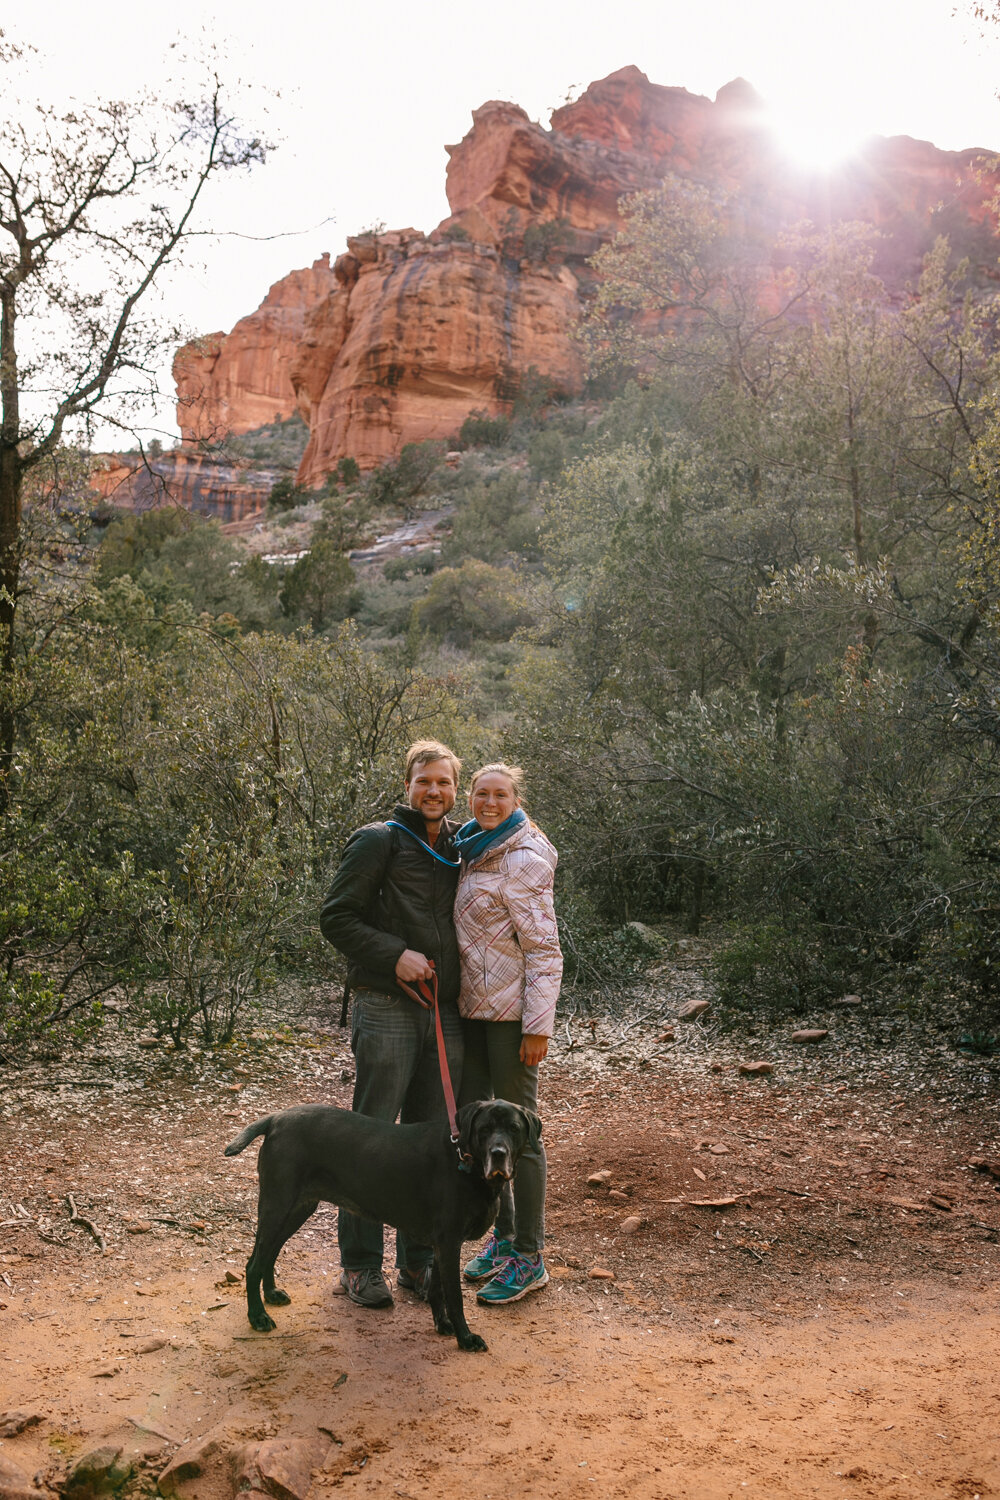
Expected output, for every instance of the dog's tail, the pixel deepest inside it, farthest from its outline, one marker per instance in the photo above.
(244, 1138)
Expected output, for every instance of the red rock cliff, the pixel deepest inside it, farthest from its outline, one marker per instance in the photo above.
(235, 382)
(409, 333)
(418, 334)
(225, 492)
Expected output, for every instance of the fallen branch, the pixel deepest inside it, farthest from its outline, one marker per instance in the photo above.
(748, 1250)
(77, 1218)
(252, 1338)
(67, 1083)
(167, 1437)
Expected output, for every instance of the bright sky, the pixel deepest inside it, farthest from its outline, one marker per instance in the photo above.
(368, 95)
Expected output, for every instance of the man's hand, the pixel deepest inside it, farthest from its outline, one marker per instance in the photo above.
(533, 1048)
(411, 966)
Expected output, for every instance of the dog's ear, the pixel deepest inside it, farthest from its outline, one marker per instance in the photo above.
(534, 1127)
(466, 1120)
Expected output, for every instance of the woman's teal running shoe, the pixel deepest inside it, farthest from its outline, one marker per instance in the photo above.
(489, 1260)
(515, 1280)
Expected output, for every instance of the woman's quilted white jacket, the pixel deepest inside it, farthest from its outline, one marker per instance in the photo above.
(507, 934)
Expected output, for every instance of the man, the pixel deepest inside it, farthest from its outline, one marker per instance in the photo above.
(389, 911)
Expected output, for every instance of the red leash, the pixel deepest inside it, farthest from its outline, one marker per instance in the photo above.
(428, 999)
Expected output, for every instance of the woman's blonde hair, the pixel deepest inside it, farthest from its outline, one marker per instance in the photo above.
(514, 775)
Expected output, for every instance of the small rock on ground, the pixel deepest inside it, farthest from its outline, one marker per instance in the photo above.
(13, 1422)
(15, 1484)
(98, 1472)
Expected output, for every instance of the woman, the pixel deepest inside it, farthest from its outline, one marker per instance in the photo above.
(511, 968)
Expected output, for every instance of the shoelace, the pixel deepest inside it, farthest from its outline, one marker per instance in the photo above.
(517, 1271)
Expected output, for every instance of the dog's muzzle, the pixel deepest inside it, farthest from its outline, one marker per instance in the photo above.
(499, 1164)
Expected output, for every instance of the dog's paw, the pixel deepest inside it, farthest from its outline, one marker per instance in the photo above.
(443, 1325)
(473, 1344)
(277, 1298)
(262, 1322)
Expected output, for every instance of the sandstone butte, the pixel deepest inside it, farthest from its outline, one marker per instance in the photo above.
(410, 332)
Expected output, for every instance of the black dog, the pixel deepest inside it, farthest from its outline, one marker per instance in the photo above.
(410, 1176)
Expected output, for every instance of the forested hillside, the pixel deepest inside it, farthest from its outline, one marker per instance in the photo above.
(735, 611)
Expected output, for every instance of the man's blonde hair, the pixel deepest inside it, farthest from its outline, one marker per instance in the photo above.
(427, 750)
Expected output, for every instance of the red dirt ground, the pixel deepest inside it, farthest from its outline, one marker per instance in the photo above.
(831, 1332)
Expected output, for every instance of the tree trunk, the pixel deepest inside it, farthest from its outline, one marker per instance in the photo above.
(697, 897)
(869, 625)
(10, 532)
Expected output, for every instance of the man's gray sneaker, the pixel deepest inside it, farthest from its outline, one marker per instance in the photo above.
(367, 1288)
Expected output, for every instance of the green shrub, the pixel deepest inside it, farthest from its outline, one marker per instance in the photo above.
(286, 495)
(959, 963)
(548, 453)
(775, 969)
(135, 541)
(321, 588)
(423, 562)
(207, 934)
(492, 521)
(597, 956)
(399, 482)
(473, 602)
(480, 430)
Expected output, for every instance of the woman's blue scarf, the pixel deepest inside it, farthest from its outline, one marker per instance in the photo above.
(471, 841)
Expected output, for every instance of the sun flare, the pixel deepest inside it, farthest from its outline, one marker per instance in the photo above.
(817, 143)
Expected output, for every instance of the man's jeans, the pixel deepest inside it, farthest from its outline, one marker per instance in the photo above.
(494, 1070)
(395, 1051)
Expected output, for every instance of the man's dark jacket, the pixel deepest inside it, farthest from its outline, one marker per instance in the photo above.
(390, 894)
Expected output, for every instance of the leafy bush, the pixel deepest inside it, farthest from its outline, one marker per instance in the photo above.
(409, 563)
(179, 800)
(135, 541)
(959, 963)
(540, 240)
(776, 969)
(400, 482)
(207, 934)
(473, 602)
(320, 588)
(493, 520)
(347, 471)
(480, 430)
(286, 495)
(343, 521)
(597, 957)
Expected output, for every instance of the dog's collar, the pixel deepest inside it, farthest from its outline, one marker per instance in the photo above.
(465, 1158)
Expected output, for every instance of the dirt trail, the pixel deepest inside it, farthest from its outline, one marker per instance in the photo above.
(832, 1331)
(575, 1398)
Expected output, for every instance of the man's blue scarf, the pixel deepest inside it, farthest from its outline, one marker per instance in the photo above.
(471, 841)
